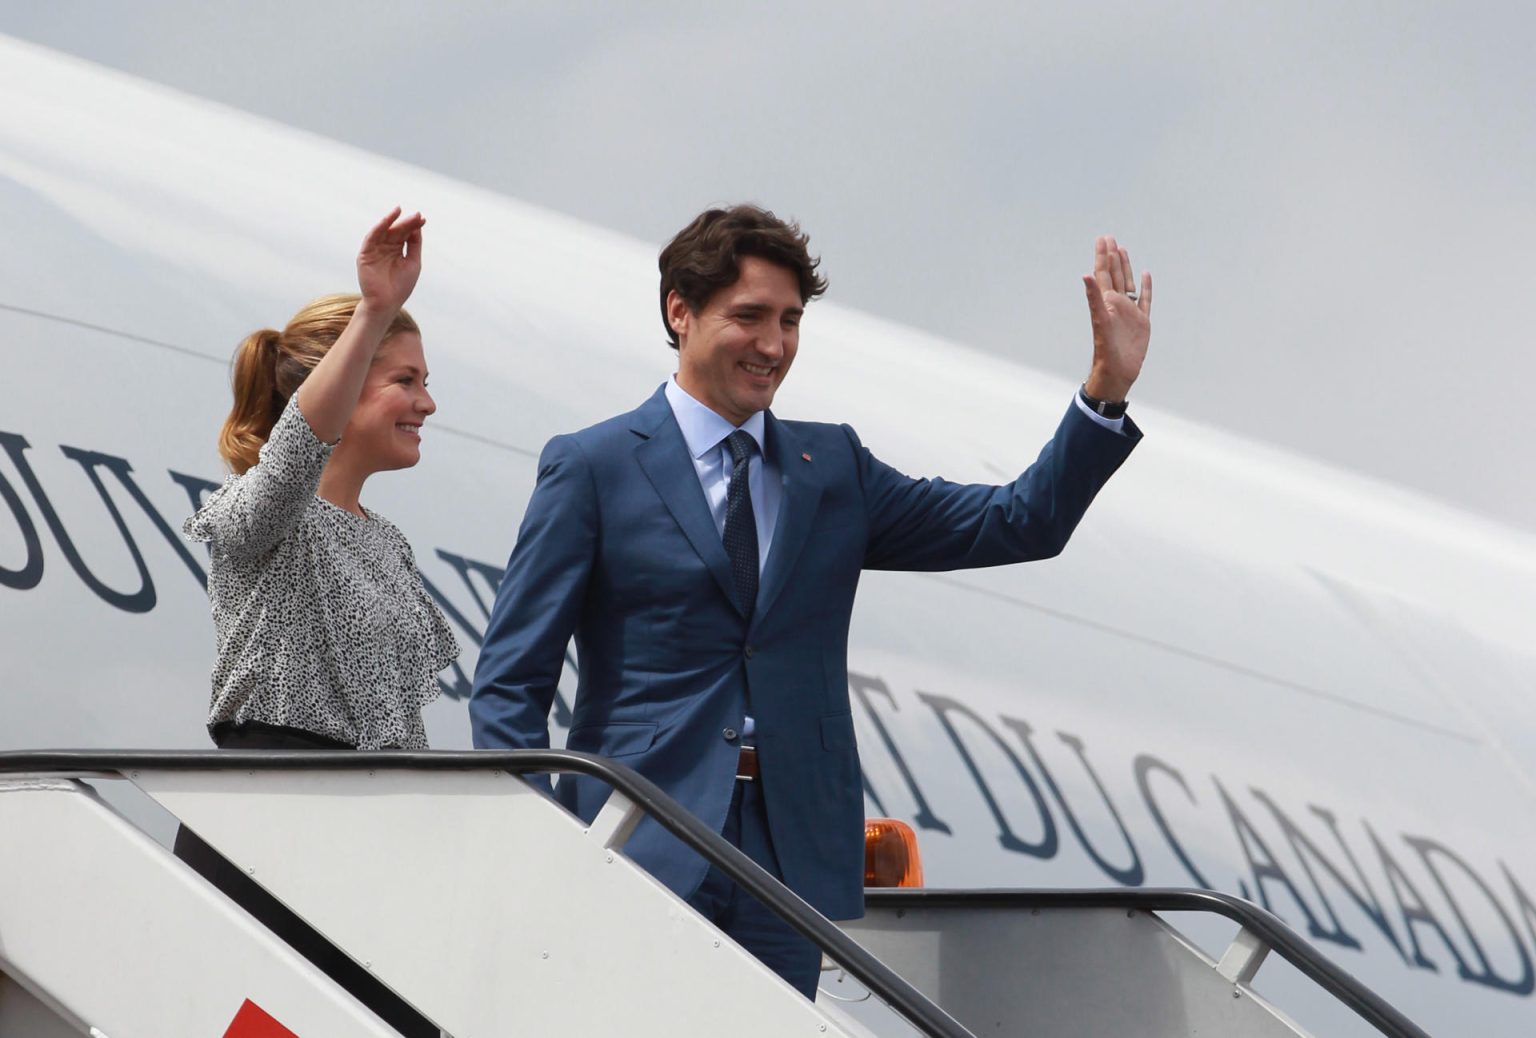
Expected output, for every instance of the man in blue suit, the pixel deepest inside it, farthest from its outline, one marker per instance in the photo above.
(705, 554)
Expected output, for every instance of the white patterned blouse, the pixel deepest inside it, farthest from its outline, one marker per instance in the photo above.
(321, 618)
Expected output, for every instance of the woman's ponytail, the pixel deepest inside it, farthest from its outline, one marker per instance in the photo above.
(258, 404)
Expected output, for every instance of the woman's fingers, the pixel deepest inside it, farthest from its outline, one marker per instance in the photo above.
(394, 230)
(405, 226)
(379, 232)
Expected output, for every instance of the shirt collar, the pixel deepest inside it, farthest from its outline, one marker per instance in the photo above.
(702, 428)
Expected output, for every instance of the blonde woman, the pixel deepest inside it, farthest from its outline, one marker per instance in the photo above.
(326, 636)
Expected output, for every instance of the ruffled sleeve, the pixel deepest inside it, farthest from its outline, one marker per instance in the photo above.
(251, 513)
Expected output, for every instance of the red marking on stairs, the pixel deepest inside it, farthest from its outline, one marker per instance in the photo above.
(252, 1021)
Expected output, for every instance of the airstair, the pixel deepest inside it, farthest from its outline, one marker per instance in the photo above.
(494, 912)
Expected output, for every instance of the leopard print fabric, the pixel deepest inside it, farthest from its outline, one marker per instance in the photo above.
(321, 619)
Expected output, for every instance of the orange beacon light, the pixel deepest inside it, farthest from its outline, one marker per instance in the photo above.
(891, 858)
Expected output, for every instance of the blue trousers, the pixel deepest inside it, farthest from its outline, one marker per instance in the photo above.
(740, 915)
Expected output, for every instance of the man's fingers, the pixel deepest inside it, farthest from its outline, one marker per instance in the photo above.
(1101, 265)
(1095, 292)
(1112, 272)
(1112, 260)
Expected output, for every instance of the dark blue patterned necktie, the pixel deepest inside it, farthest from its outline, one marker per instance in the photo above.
(740, 525)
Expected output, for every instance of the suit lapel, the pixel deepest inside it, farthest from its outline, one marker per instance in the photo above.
(797, 507)
(663, 457)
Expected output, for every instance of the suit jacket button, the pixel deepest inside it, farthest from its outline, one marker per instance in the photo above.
(748, 651)
(730, 734)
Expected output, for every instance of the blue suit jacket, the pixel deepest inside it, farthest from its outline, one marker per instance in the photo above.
(618, 547)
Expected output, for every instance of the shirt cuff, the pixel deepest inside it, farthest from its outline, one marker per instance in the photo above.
(1112, 424)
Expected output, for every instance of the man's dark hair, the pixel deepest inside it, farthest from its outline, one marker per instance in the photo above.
(706, 256)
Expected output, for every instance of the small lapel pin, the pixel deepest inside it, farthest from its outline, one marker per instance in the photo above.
(807, 457)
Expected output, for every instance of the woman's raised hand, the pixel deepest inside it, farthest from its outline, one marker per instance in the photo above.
(389, 261)
(388, 264)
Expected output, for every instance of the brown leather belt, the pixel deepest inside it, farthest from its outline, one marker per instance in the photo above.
(746, 767)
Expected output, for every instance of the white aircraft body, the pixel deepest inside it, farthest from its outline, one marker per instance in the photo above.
(1248, 671)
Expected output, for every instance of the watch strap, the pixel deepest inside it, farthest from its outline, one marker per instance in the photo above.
(1103, 408)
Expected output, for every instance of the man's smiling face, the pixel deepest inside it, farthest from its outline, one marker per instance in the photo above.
(734, 352)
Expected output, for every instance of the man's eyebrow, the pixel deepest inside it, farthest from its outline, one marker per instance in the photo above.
(761, 308)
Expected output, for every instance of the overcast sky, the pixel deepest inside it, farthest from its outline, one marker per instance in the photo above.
(1336, 200)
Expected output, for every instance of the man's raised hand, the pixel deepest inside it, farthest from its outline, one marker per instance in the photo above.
(1121, 319)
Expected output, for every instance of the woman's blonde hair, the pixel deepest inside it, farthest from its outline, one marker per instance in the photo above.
(270, 365)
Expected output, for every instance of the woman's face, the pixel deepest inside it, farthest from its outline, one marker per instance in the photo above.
(385, 430)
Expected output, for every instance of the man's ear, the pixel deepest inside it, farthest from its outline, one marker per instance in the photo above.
(679, 316)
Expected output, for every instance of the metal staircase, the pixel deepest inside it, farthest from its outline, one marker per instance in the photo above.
(492, 911)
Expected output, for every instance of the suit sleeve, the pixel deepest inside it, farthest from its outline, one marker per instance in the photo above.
(537, 605)
(932, 524)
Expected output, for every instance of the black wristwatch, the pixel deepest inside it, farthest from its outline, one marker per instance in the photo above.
(1102, 408)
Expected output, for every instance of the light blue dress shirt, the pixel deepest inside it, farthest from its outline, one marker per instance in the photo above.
(704, 432)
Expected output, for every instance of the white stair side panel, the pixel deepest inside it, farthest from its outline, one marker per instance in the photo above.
(485, 904)
(104, 922)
